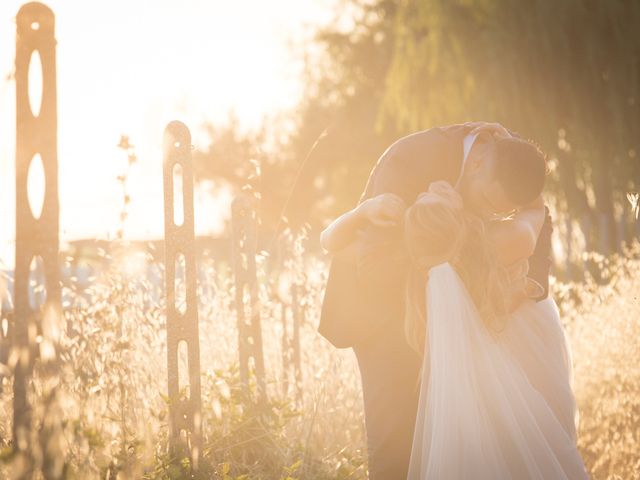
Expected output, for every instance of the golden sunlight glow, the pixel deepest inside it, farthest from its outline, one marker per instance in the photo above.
(130, 68)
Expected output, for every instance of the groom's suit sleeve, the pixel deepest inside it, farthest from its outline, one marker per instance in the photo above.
(365, 287)
(405, 169)
(381, 248)
(540, 262)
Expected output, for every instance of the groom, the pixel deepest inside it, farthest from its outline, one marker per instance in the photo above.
(363, 306)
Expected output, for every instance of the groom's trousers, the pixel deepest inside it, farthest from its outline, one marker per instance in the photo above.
(389, 369)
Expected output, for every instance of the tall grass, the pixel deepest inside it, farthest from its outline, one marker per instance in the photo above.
(111, 390)
(603, 323)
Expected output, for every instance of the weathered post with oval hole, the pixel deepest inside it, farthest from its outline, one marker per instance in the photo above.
(244, 224)
(185, 418)
(37, 300)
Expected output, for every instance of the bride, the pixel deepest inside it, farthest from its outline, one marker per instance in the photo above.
(495, 384)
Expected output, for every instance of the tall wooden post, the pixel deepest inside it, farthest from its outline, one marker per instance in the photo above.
(244, 224)
(182, 321)
(36, 322)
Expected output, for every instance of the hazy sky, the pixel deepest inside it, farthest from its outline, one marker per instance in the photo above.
(132, 66)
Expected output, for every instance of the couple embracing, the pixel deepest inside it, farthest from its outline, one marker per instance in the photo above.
(439, 283)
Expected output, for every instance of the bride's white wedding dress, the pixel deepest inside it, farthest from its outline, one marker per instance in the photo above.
(493, 407)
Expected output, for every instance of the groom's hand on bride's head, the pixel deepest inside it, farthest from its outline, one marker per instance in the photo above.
(495, 130)
(384, 210)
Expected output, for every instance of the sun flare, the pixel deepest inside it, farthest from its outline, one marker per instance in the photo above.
(130, 68)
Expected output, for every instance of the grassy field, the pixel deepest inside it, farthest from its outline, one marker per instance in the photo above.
(603, 323)
(111, 411)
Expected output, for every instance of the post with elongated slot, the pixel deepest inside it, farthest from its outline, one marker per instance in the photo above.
(37, 307)
(244, 225)
(185, 418)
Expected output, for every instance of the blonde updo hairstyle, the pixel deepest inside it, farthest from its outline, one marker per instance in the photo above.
(439, 230)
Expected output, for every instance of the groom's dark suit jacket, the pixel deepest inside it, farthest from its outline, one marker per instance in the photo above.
(365, 292)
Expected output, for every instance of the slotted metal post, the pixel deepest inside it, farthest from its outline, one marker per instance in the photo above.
(36, 235)
(182, 324)
(244, 225)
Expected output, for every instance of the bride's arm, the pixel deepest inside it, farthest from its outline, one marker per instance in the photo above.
(515, 238)
(383, 210)
(515, 242)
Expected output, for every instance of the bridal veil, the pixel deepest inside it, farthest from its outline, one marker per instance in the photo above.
(493, 406)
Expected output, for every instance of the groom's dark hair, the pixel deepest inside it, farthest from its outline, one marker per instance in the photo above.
(520, 168)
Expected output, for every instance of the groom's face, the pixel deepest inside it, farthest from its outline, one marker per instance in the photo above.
(483, 194)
